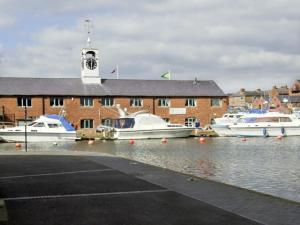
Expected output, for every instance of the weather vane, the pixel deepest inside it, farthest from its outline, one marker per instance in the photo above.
(89, 26)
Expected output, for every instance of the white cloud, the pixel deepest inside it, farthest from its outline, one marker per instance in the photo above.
(6, 21)
(260, 59)
(212, 39)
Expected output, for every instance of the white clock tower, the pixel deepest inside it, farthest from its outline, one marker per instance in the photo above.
(90, 62)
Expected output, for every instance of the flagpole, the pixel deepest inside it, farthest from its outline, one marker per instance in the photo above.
(117, 72)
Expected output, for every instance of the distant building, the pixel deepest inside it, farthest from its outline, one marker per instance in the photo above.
(90, 100)
(279, 91)
(295, 89)
(248, 99)
(285, 98)
(277, 99)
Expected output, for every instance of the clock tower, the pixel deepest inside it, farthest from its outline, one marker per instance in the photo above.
(90, 62)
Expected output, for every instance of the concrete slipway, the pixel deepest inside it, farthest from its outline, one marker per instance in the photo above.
(81, 188)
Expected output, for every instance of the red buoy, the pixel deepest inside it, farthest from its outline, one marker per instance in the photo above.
(279, 137)
(202, 140)
(164, 141)
(131, 141)
(18, 145)
(244, 139)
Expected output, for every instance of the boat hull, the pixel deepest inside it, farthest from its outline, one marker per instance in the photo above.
(125, 134)
(223, 130)
(265, 131)
(37, 137)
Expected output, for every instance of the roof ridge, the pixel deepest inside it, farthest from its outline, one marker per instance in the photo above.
(41, 77)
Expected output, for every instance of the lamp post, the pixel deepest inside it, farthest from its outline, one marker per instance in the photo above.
(26, 127)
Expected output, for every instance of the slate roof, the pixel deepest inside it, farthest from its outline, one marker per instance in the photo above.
(283, 90)
(15, 86)
(249, 93)
(290, 98)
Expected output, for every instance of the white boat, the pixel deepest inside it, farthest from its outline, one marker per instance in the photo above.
(221, 125)
(46, 128)
(296, 112)
(143, 125)
(267, 124)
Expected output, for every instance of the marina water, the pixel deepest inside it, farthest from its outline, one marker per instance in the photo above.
(266, 165)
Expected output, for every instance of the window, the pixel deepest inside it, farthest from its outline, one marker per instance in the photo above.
(24, 101)
(108, 102)
(107, 122)
(86, 101)
(124, 123)
(39, 125)
(87, 123)
(190, 122)
(167, 120)
(136, 102)
(190, 102)
(163, 102)
(56, 101)
(285, 119)
(53, 125)
(216, 102)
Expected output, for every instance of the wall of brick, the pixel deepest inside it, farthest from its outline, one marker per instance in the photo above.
(203, 111)
(11, 108)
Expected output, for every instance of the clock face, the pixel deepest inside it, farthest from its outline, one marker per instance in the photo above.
(91, 64)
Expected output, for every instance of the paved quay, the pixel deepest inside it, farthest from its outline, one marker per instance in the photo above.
(82, 188)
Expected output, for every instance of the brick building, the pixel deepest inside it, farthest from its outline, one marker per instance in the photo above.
(295, 89)
(89, 101)
(87, 105)
(248, 99)
(282, 98)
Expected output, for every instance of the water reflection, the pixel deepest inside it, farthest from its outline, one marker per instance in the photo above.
(263, 164)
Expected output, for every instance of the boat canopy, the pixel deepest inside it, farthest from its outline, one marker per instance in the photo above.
(257, 111)
(266, 119)
(65, 123)
(124, 123)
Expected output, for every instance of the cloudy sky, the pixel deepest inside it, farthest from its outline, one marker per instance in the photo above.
(238, 43)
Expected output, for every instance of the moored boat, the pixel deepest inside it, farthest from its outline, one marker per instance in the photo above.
(143, 125)
(268, 124)
(221, 125)
(45, 128)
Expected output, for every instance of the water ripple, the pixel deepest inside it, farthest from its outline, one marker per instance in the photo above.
(266, 165)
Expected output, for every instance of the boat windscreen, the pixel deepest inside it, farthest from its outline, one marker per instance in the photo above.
(31, 124)
(124, 123)
(247, 120)
(63, 121)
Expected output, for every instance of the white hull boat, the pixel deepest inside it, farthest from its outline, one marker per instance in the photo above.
(263, 131)
(52, 128)
(222, 130)
(268, 124)
(221, 125)
(142, 125)
(126, 134)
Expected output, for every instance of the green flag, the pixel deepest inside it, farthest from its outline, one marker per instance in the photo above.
(166, 76)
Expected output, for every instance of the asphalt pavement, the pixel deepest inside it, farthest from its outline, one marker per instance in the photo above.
(83, 190)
